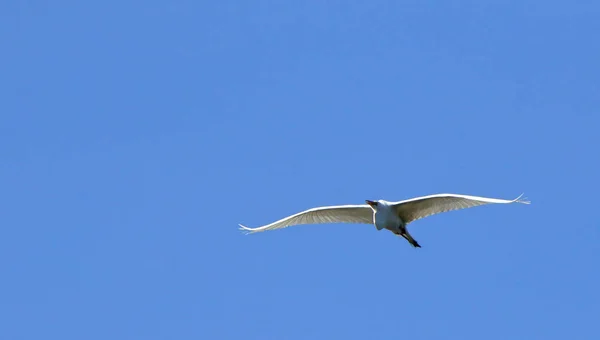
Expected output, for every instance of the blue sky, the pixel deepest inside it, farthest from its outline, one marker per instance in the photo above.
(136, 135)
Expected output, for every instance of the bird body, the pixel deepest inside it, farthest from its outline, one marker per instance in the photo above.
(393, 216)
(386, 217)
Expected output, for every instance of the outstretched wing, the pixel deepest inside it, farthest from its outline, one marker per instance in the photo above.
(331, 214)
(420, 207)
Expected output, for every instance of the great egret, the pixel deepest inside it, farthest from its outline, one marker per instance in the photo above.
(393, 216)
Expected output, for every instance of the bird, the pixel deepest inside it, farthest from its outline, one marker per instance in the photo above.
(392, 216)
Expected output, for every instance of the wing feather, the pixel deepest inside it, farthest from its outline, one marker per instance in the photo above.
(420, 207)
(331, 214)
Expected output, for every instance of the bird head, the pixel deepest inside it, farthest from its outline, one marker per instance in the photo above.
(373, 204)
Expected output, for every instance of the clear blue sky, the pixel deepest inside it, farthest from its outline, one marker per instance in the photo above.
(136, 135)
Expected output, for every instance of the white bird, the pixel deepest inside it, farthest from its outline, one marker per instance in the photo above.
(393, 216)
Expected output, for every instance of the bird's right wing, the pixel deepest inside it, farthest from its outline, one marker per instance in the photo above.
(331, 214)
(420, 207)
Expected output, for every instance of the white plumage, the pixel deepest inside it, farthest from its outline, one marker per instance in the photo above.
(393, 216)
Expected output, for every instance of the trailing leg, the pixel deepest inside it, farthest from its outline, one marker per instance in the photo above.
(409, 238)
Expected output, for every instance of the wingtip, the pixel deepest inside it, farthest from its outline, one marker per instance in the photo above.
(522, 199)
(245, 230)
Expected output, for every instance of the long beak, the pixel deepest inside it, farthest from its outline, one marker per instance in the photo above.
(371, 203)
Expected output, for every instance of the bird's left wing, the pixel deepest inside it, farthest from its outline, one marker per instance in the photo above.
(331, 214)
(420, 207)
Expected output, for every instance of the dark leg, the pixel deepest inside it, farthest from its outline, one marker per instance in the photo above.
(409, 238)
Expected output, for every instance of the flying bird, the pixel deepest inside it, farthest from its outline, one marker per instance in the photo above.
(393, 216)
